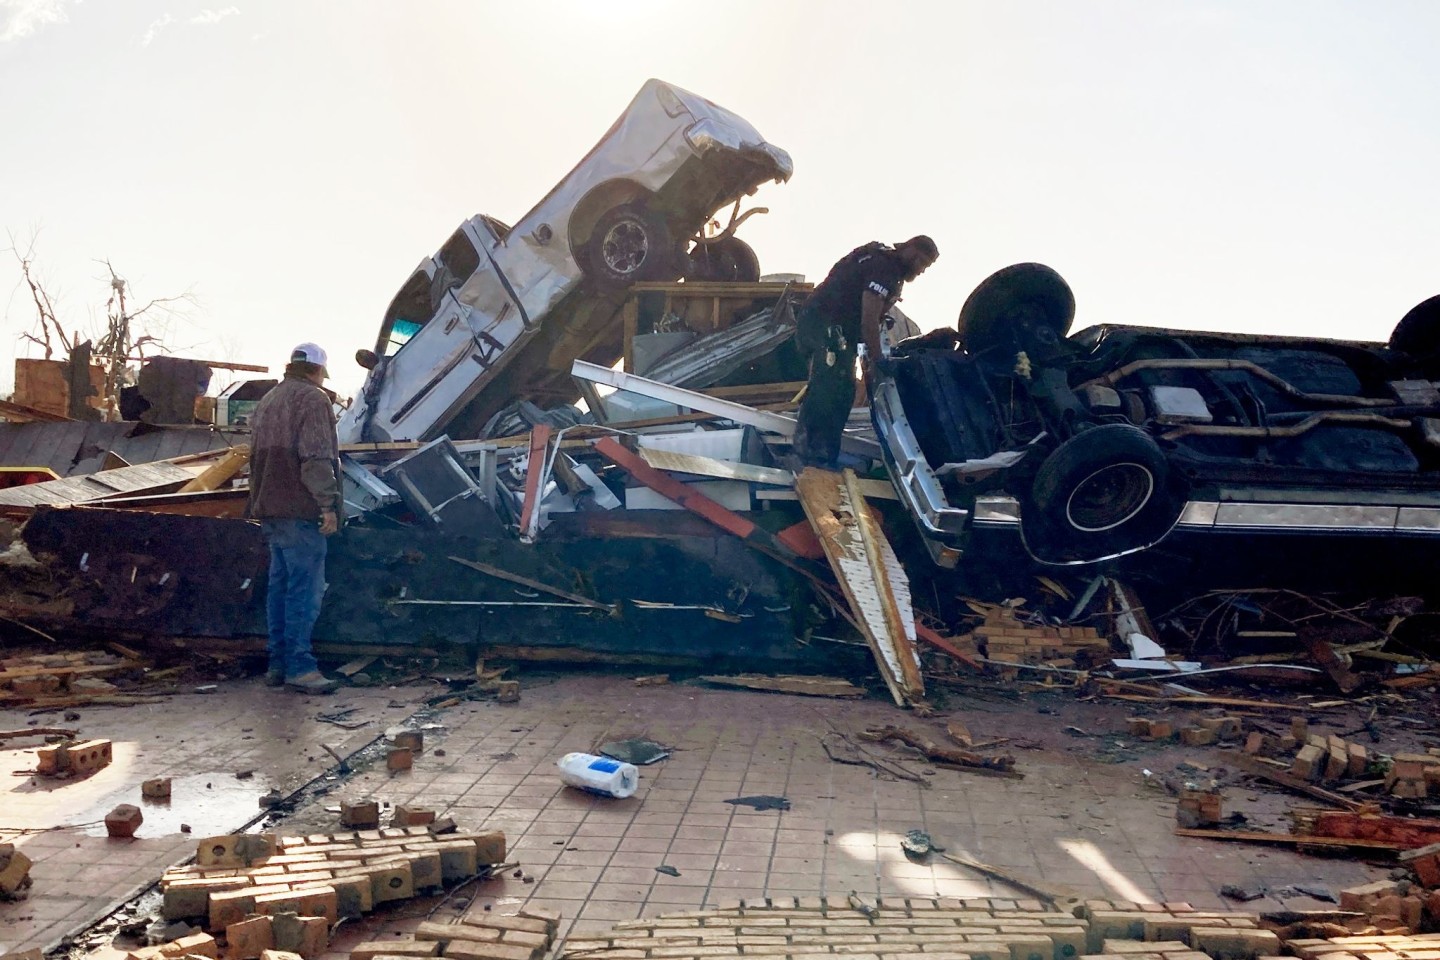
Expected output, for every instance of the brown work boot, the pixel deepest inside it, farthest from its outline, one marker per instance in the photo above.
(312, 682)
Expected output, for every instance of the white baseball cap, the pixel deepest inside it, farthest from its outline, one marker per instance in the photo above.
(310, 353)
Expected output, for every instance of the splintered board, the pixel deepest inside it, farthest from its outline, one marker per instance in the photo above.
(870, 574)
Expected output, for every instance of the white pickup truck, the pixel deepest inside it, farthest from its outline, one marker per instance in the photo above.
(499, 312)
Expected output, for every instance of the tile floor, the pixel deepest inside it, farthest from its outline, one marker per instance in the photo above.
(200, 741)
(1095, 827)
(1071, 822)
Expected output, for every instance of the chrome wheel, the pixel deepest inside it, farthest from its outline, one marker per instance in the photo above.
(1109, 497)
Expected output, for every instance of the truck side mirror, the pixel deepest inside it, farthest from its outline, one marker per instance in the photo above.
(367, 359)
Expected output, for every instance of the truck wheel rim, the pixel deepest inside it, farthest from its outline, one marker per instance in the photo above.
(1109, 497)
(625, 247)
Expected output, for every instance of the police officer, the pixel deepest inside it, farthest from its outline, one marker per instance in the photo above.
(848, 305)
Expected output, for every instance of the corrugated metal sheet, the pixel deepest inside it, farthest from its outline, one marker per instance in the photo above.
(159, 477)
(77, 448)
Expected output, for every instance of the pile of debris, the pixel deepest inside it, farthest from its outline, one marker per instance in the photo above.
(65, 679)
(330, 876)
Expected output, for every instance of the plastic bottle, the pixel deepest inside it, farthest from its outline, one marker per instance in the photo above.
(601, 775)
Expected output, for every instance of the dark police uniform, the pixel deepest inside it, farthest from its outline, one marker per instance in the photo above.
(828, 331)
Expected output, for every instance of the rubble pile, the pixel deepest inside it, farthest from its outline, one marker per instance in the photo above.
(63, 679)
(325, 875)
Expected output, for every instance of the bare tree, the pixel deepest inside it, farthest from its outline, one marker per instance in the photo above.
(50, 327)
(119, 341)
(125, 337)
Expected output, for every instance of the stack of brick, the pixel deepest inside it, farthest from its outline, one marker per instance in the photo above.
(25, 679)
(1199, 808)
(1004, 638)
(1413, 776)
(1327, 759)
(195, 945)
(74, 758)
(526, 935)
(1390, 906)
(1315, 757)
(945, 929)
(322, 875)
(1416, 946)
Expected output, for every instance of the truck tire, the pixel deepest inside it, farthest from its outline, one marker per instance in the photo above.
(1104, 492)
(1418, 332)
(630, 244)
(725, 261)
(1015, 306)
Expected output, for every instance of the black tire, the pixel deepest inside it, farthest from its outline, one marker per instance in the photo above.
(1418, 332)
(1015, 307)
(1104, 492)
(630, 244)
(725, 261)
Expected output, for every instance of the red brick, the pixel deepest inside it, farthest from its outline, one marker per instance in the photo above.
(471, 950)
(16, 868)
(490, 847)
(399, 759)
(411, 817)
(307, 936)
(247, 939)
(124, 820)
(362, 814)
(311, 901)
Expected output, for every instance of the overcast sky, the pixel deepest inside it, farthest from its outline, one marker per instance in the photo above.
(1269, 167)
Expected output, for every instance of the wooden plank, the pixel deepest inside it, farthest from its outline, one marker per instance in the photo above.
(687, 290)
(804, 686)
(355, 666)
(221, 472)
(871, 578)
(516, 578)
(22, 673)
(710, 467)
(217, 364)
(1210, 701)
(534, 473)
(20, 413)
(1290, 839)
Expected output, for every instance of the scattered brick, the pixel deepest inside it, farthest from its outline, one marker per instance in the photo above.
(364, 815)
(397, 760)
(412, 740)
(156, 789)
(14, 871)
(1197, 736)
(404, 816)
(124, 820)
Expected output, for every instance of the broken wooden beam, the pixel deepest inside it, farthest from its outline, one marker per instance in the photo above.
(1291, 839)
(805, 686)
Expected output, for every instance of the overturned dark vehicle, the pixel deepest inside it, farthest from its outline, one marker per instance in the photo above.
(1107, 442)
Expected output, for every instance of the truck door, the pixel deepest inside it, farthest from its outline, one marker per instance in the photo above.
(453, 356)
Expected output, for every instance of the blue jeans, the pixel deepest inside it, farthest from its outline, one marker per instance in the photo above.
(297, 585)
